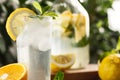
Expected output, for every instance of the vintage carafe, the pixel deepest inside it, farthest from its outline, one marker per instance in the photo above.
(70, 33)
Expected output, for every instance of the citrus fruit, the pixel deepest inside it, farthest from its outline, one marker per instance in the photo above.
(13, 71)
(16, 21)
(66, 18)
(78, 21)
(61, 62)
(109, 68)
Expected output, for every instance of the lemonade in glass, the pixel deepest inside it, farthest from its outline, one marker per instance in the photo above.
(33, 48)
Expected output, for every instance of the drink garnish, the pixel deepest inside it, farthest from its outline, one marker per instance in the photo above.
(43, 11)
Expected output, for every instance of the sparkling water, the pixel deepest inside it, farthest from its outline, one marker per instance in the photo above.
(33, 49)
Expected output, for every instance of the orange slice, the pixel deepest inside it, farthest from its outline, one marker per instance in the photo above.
(16, 21)
(14, 71)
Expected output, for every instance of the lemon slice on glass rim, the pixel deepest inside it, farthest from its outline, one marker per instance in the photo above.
(61, 62)
(16, 21)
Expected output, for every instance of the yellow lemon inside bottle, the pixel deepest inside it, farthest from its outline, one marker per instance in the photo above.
(62, 62)
(109, 68)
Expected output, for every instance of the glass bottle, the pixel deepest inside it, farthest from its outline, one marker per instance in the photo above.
(70, 33)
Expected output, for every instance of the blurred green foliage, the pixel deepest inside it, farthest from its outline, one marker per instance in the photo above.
(101, 37)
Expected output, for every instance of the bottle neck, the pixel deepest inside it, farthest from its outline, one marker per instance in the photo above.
(62, 5)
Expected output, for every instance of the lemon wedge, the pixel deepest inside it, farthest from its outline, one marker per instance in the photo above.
(16, 21)
(62, 62)
(79, 26)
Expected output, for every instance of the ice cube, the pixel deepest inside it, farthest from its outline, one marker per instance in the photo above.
(37, 34)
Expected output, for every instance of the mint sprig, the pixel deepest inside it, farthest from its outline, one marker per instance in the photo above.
(43, 11)
(37, 6)
(59, 76)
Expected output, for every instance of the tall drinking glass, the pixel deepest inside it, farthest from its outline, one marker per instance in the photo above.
(33, 48)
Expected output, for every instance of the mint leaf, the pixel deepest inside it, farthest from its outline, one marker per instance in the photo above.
(59, 76)
(45, 9)
(118, 44)
(52, 14)
(37, 6)
(83, 42)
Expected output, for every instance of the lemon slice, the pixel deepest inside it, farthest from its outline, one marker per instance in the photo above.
(62, 62)
(16, 21)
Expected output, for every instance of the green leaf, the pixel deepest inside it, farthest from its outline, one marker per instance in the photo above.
(52, 14)
(82, 43)
(46, 8)
(37, 6)
(59, 76)
(43, 10)
(102, 56)
(118, 44)
(113, 51)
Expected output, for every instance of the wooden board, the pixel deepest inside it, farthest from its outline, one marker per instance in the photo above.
(88, 73)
